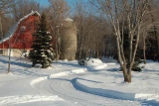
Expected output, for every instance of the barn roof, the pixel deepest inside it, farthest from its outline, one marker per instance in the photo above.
(13, 29)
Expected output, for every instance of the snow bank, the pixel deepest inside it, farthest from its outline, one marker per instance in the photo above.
(56, 75)
(95, 64)
(38, 80)
(82, 85)
(142, 96)
(75, 71)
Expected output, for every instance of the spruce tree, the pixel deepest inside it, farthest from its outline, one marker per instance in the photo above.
(42, 51)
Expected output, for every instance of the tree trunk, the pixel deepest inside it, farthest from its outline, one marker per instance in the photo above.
(144, 47)
(58, 44)
(128, 78)
(125, 73)
(129, 74)
(9, 57)
(57, 57)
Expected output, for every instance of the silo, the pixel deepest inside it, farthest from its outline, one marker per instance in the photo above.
(68, 39)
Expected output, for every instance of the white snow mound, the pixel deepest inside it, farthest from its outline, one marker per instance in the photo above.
(96, 64)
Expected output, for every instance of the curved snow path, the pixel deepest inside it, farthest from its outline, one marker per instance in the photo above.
(64, 88)
(18, 92)
(74, 89)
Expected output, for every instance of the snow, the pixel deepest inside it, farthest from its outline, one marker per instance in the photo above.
(26, 99)
(13, 29)
(95, 64)
(66, 83)
(69, 19)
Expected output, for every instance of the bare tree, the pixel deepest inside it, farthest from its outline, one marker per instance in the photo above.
(57, 12)
(131, 13)
(154, 27)
(149, 30)
(5, 6)
(24, 7)
(93, 31)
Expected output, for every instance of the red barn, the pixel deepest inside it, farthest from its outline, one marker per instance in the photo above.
(19, 37)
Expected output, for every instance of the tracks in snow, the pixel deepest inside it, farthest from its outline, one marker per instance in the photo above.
(63, 87)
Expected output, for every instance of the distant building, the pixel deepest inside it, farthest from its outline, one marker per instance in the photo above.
(68, 40)
(19, 37)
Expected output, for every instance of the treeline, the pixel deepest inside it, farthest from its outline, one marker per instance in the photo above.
(95, 33)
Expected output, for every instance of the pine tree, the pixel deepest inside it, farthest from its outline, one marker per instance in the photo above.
(42, 51)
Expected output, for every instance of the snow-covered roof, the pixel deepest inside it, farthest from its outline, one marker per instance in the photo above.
(68, 19)
(12, 30)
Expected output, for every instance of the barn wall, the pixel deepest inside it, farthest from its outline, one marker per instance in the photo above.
(14, 52)
(21, 39)
(5, 52)
(17, 52)
(68, 40)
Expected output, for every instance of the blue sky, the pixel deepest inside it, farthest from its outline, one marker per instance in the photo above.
(45, 2)
(70, 2)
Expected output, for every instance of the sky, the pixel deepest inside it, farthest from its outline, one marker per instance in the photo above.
(45, 2)
(70, 2)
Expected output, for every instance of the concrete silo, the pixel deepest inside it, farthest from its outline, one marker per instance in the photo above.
(68, 40)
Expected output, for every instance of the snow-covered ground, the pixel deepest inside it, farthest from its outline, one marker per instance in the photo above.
(68, 84)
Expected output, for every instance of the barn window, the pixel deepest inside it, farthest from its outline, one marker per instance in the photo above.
(23, 28)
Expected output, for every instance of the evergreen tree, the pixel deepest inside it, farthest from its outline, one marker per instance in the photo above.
(42, 51)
